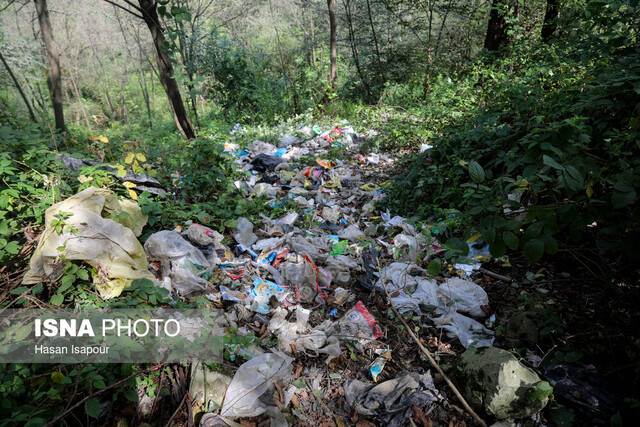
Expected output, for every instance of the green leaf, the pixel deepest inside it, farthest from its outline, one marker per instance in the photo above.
(99, 383)
(541, 391)
(57, 300)
(620, 199)
(131, 395)
(299, 384)
(434, 267)
(533, 250)
(573, 178)
(510, 239)
(498, 248)
(623, 186)
(550, 162)
(550, 244)
(475, 171)
(12, 247)
(20, 290)
(83, 274)
(92, 407)
(232, 223)
(57, 377)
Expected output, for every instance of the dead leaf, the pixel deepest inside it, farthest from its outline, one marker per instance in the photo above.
(455, 423)
(295, 403)
(420, 417)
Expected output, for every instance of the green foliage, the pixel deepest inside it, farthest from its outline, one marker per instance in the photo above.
(34, 393)
(541, 391)
(545, 156)
(27, 187)
(434, 267)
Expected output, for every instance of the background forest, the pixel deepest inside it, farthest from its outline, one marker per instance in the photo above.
(530, 104)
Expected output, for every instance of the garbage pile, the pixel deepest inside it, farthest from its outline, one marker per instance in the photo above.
(306, 278)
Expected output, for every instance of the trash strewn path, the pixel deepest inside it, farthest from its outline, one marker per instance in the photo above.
(305, 295)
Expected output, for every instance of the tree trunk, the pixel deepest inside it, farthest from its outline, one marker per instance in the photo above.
(375, 43)
(354, 49)
(313, 36)
(497, 29)
(53, 78)
(550, 25)
(333, 44)
(165, 69)
(17, 84)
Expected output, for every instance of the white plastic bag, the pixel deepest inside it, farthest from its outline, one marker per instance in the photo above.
(251, 381)
(244, 233)
(179, 260)
(463, 295)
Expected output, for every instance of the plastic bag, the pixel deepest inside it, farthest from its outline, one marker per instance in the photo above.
(468, 331)
(253, 379)
(407, 246)
(356, 324)
(463, 295)
(351, 233)
(342, 268)
(265, 162)
(179, 260)
(104, 244)
(390, 400)
(204, 236)
(244, 233)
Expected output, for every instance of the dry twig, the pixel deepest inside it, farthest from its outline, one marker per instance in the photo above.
(431, 359)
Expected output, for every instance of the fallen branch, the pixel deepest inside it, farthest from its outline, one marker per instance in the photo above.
(496, 275)
(431, 359)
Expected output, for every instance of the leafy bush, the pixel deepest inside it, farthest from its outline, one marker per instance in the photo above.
(550, 151)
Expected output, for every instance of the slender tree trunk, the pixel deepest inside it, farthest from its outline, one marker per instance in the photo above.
(283, 64)
(76, 87)
(497, 28)
(105, 78)
(165, 69)
(354, 48)
(550, 25)
(54, 79)
(314, 60)
(19, 87)
(375, 43)
(187, 64)
(333, 44)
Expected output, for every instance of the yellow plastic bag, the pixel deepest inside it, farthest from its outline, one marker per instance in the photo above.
(110, 247)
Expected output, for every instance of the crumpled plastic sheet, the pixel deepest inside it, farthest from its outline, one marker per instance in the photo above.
(411, 292)
(101, 242)
(244, 233)
(470, 332)
(204, 236)
(179, 260)
(252, 380)
(391, 401)
(408, 245)
(342, 268)
(463, 295)
(351, 233)
(298, 332)
(356, 324)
